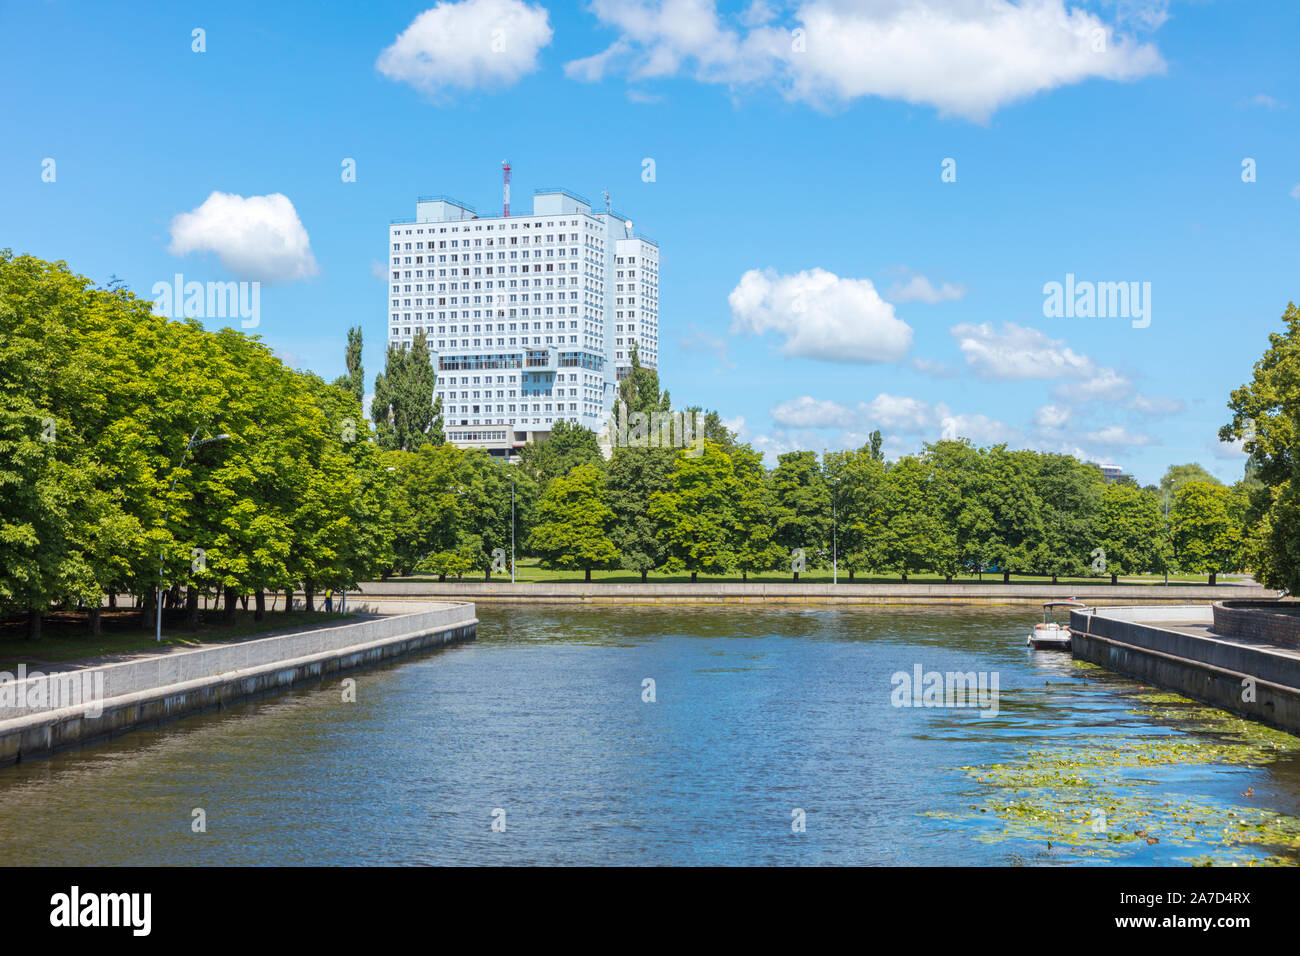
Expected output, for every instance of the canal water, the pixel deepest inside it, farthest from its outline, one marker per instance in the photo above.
(669, 735)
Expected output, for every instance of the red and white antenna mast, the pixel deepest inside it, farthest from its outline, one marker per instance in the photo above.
(505, 171)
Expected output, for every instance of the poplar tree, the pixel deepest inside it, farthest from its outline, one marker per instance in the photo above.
(404, 411)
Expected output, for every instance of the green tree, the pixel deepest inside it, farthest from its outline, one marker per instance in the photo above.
(1266, 419)
(405, 413)
(639, 388)
(803, 506)
(1132, 533)
(634, 475)
(961, 484)
(484, 507)
(1016, 510)
(754, 543)
(1176, 475)
(1206, 538)
(914, 536)
(695, 517)
(565, 448)
(574, 523)
(1071, 495)
(355, 380)
(860, 498)
(426, 505)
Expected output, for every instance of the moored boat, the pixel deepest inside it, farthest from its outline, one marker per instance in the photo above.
(1052, 635)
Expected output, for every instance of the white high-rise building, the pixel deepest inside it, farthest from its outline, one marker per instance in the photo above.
(530, 319)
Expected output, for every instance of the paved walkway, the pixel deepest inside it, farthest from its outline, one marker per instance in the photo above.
(192, 644)
(1201, 629)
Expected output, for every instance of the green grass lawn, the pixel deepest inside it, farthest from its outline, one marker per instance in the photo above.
(65, 636)
(529, 570)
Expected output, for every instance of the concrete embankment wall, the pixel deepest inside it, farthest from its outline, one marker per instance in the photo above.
(130, 695)
(1274, 623)
(1142, 642)
(993, 593)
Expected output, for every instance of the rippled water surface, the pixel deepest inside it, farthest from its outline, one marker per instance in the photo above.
(759, 713)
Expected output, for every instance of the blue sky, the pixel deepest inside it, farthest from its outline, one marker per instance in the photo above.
(818, 277)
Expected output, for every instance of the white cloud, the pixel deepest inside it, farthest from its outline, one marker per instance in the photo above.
(1116, 436)
(758, 13)
(901, 412)
(378, 270)
(980, 429)
(964, 58)
(921, 289)
(820, 316)
(468, 44)
(1230, 450)
(1102, 385)
(1017, 353)
(809, 412)
(894, 414)
(1155, 406)
(291, 359)
(1052, 416)
(1295, 191)
(257, 238)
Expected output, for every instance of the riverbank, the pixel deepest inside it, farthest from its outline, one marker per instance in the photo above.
(66, 635)
(1181, 649)
(993, 593)
(47, 712)
(533, 745)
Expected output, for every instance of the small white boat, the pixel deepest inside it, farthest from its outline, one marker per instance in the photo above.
(1050, 635)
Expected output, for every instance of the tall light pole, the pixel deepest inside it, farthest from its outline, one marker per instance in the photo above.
(512, 529)
(190, 446)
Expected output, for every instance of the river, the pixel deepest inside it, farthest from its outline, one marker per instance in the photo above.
(773, 737)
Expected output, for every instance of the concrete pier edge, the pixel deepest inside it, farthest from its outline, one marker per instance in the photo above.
(41, 732)
(1172, 647)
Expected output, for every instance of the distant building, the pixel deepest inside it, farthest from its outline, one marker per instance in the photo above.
(530, 319)
(1111, 472)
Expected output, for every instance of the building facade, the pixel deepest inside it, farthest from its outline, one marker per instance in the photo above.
(530, 319)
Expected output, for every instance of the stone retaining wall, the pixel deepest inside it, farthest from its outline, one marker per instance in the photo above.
(1142, 642)
(990, 593)
(1259, 621)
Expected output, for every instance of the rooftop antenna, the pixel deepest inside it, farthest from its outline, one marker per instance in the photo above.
(505, 171)
(606, 200)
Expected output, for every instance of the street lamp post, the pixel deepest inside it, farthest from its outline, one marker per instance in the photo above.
(512, 529)
(190, 446)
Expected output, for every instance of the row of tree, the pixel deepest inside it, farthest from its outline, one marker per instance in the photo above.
(953, 509)
(136, 449)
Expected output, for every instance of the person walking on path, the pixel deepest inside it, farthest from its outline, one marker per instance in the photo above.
(329, 601)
